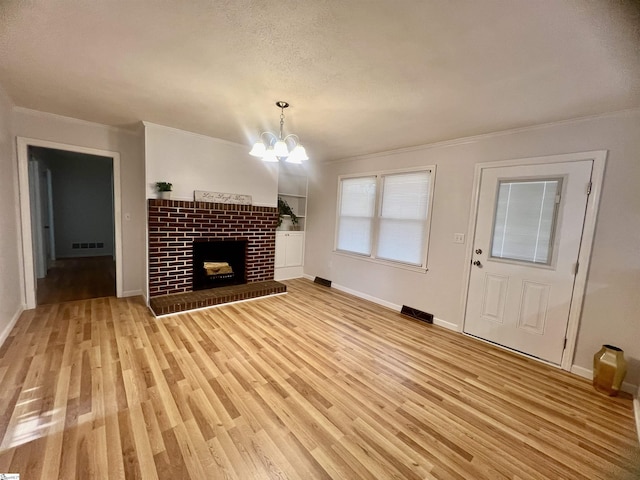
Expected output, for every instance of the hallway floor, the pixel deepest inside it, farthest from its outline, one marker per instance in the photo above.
(78, 279)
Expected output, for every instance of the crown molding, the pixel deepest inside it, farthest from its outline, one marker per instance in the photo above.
(38, 113)
(476, 138)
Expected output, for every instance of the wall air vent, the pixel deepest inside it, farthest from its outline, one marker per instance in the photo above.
(417, 314)
(322, 281)
(75, 246)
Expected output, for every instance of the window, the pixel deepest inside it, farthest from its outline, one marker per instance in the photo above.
(385, 216)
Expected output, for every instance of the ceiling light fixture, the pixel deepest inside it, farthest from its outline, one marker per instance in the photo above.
(272, 148)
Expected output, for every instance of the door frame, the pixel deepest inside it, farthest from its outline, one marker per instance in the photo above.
(599, 158)
(23, 144)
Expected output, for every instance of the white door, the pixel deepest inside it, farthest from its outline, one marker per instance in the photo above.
(528, 231)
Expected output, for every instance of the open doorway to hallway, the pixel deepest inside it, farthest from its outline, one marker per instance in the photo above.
(72, 223)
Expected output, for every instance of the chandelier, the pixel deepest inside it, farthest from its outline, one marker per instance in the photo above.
(272, 148)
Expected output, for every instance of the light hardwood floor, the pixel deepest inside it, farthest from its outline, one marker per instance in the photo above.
(314, 384)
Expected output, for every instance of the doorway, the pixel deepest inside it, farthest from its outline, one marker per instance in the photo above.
(71, 197)
(70, 215)
(533, 227)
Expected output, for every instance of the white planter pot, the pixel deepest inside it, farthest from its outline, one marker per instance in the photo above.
(286, 224)
(164, 195)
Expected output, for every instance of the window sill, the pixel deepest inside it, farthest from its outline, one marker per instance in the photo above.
(402, 266)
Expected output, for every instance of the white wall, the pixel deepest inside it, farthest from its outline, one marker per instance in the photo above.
(11, 298)
(196, 162)
(612, 304)
(54, 128)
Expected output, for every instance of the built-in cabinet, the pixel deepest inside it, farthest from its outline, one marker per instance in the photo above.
(289, 249)
(292, 188)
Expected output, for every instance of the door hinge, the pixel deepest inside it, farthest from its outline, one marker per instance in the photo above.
(565, 344)
(577, 267)
(589, 185)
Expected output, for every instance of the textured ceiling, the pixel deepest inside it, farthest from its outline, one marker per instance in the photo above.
(361, 76)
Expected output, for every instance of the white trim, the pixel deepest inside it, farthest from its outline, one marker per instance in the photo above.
(384, 303)
(215, 306)
(132, 293)
(12, 323)
(448, 325)
(23, 143)
(287, 273)
(380, 261)
(364, 296)
(482, 136)
(599, 158)
(582, 372)
(77, 121)
(588, 374)
(379, 196)
(636, 410)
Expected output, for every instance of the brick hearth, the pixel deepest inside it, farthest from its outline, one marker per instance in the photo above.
(175, 224)
(180, 302)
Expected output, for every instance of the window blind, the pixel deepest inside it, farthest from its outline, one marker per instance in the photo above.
(356, 214)
(403, 217)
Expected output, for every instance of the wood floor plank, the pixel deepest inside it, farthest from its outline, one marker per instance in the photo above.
(315, 384)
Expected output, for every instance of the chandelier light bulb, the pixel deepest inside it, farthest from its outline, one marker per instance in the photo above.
(258, 149)
(280, 149)
(269, 156)
(300, 152)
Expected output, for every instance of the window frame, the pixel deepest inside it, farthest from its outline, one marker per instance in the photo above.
(375, 230)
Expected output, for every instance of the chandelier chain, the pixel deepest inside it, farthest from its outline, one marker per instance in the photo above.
(281, 121)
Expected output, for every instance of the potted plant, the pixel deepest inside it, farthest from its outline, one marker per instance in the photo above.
(164, 190)
(284, 210)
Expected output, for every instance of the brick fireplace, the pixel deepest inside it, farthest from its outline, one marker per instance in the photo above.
(174, 226)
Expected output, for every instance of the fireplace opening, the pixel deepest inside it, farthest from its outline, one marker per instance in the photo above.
(219, 263)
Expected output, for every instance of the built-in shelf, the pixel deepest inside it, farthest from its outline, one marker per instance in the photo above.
(292, 188)
(282, 194)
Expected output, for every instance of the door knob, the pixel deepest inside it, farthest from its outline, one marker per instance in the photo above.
(478, 251)
(478, 263)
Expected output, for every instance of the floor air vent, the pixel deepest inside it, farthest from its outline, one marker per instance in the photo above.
(322, 281)
(417, 314)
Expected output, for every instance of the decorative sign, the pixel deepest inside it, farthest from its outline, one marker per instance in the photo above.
(219, 197)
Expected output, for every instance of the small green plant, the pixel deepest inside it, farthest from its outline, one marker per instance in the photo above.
(285, 209)
(163, 186)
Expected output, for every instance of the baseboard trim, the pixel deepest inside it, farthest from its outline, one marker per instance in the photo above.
(12, 323)
(132, 293)
(588, 373)
(364, 296)
(636, 410)
(448, 325)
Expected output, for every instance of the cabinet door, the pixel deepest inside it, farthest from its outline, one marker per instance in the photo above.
(295, 249)
(281, 249)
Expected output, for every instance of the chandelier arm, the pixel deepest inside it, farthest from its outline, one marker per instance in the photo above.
(270, 140)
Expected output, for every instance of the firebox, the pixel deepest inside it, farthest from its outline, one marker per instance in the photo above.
(219, 262)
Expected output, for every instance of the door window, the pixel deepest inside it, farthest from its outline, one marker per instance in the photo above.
(525, 219)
